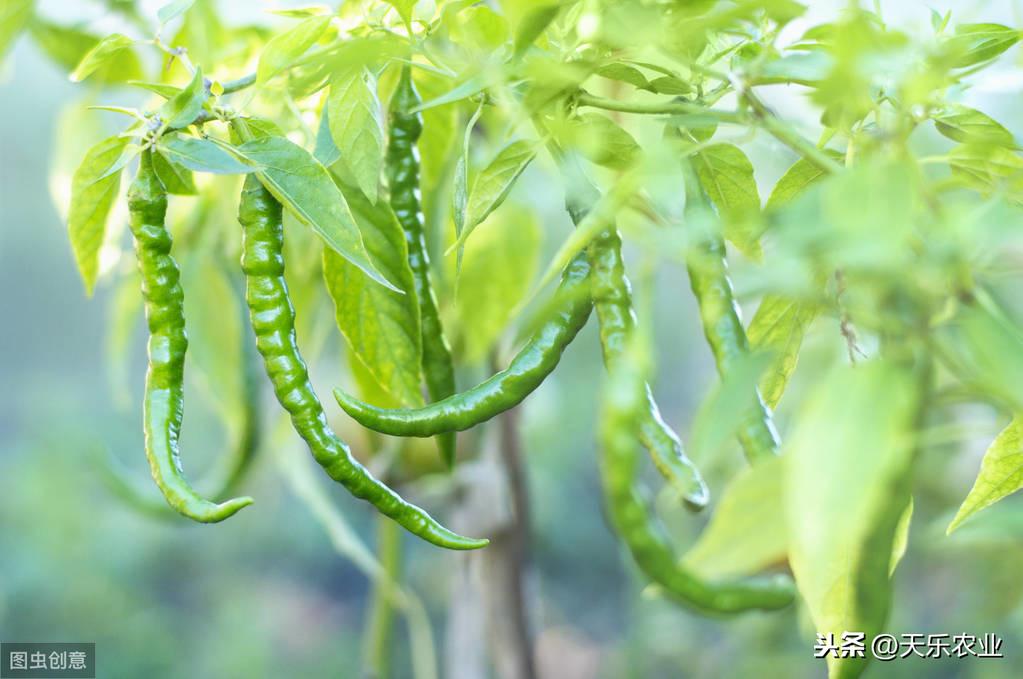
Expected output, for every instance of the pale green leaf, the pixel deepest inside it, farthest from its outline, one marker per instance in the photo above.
(624, 73)
(176, 179)
(303, 12)
(93, 191)
(777, 329)
(970, 126)
(201, 155)
(847, 488)
(726, 174)
(381, 326)
(172, 10)
(357, 126)
(304, 186)
(973, 44)
(988, 169)
(901, 542)
(14, 14)
(493, 184)
(602, 141)
(284, 48)
(106, 50)
(66, 45)
(404, 9)
(162, 89)
(1001, 473)
(182, 109)
(800, 175)
(533, 24)
(498, 267)
(746, 533)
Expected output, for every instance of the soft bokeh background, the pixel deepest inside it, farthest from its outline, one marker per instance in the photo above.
(265, 594)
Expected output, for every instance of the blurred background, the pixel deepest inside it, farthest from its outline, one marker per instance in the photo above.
(268, 593)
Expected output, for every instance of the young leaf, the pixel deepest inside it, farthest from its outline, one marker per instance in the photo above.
(532, 26)
(164, 90)
(66, 45)
(181, 109)
(746, 533)
(842, 526)
(175, 178)
(976, 43)
(92, 193)
(602, 141)
(1001, 473)
(201, 155)
(13, 16)
(357, 126)
(970, 126)
(404, 9)
(284, 48)
(494, 183)
(325, 150)
(498, 267)
(380, 325)
(726, 174)
(801, 174)
(304, 186)
(172, 10)
(778, 328)
(625, 74)
(103, 53)
(988, 169)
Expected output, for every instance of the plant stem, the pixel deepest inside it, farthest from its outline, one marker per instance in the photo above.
(232, 86)
(659, 108)
(378, 639)
(787, 135)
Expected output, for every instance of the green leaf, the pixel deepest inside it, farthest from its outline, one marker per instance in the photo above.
(988, 169)
(66, 45)
(494, 183)
(357, 126)
(800, 175)
(970, 126)
(728, 406)
(778, 328)
(92, 194)
(746, 533)
(304, 186)
(325, 150)
(404, 9)
(201, 155)
(380, 325)
(284, 48)
(532, 26)
(498, 267)
(847, 488)
(172, 10)
(181, 109)
(176, 179)
(105, 51)
(13, 16)
(303, 12)
(976, 43)
(667, 84)
(1001, 473)
(625, 74)
(726, 174)
(602, 141)
(162, 89)
(470, 87)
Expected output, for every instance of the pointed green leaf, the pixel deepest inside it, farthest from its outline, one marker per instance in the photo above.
(970, 126)
(777, 329)
(380, 325)
(304, 186)
(602, 141)
(357, 126)
(843, 527)
(1001, 473)
(181, 109)
(404, 9)
(625, 74)
(988, 169)
(66, 45)
(172, 10)
(108, 49)
(14, 14)
(92, 195)
(726, 174)
(494, 183)
(201, 155)
(284, 48)
(176, 179)
(800, 175)
(973, 44)
(533, 24)
(162, 89)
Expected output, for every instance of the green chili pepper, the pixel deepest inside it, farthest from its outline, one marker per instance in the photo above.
(402, 169)
(244, 445)
(273, 321)
(164, 304)
(719, 312)
(625, 408)
(502, 391)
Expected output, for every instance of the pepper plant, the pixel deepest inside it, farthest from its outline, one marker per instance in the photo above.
(379, 167)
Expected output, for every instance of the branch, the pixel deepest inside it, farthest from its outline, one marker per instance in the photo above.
(674, 108)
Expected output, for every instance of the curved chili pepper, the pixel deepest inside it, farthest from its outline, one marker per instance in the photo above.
(625, 408)
(719, 312)
(503, 390)
(164, 306)
(273, 322)
(402, 169)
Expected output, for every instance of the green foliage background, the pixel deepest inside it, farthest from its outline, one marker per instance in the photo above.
(265, 595)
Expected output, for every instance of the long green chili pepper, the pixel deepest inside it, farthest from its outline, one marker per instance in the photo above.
(625, 408)
(164, 305)
(503, 390)
(273, 322)
(402, 169)
(719, 312)
(245, 441)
